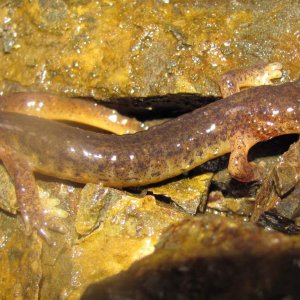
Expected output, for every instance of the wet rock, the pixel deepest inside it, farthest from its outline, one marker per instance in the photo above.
(116, 229)
(143, 53)
(240, 206)
(188, 193)
(131, 49)
(278, 201)
(210, 258)
(8, 200)
(20, 260)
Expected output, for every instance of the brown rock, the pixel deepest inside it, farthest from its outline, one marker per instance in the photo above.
(210, 258)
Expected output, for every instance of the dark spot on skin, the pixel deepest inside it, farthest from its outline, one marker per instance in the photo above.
(156, 148)
(155, 174)
(60, 168)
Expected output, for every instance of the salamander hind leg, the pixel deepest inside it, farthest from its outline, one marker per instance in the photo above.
(261, 74)
(33, 214)
(239, 167)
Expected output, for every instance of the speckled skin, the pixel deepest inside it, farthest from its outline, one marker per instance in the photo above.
(234, 124)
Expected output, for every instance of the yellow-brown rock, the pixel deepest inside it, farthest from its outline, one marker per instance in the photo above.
(128, 48)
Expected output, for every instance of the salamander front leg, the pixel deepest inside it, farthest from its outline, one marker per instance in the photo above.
(232, 81)
(34, 216)
(239, 167)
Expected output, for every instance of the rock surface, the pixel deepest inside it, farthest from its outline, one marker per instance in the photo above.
(107, 49)
(210, 258)
(136, 54)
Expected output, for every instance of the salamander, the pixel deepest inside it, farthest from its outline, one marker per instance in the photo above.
(230, 125)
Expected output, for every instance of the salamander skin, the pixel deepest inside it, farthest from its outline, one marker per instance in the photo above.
(234, 124)
(57, 107)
